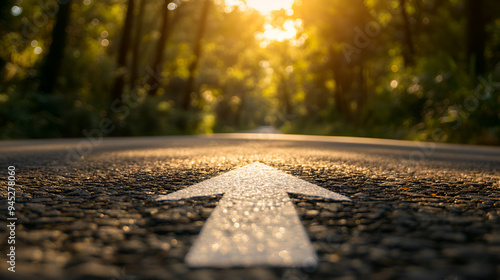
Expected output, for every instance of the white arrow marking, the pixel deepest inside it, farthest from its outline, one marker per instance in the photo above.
(255, 222)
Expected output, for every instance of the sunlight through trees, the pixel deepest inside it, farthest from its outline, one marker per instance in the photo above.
(418, 70)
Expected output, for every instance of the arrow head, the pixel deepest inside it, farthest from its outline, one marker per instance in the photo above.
(255, 222)
(255, 175)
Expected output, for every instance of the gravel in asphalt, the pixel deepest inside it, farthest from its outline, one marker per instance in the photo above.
(433, 217)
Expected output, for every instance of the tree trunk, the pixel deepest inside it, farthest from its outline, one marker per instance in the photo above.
(123, 51)
(343, 80)
(52, 66)
(285, 95)
(338, 94)
(476, 37)
(186, 101)
(6, 23)
(362, 93)
(409, 50)
(156, 67)
(137, 44)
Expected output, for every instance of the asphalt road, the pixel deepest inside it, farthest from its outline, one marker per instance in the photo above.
(88, 211)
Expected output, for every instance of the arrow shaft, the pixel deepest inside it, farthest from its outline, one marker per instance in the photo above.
(252, 227)
(255, 222)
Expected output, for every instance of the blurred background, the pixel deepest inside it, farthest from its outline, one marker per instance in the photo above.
(425, 70)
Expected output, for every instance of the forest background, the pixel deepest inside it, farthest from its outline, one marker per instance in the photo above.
(425, 70)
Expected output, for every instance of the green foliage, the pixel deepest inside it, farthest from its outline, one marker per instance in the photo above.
(331, 67)
(156, 116)
(36, 115)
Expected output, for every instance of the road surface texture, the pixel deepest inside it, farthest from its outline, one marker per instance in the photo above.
(418, 211)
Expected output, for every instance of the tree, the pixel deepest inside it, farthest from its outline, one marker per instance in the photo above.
(5, 7)
(409, 49)
(340, 26)
(476, 36)
(186, 101)
(52, 66)
(134, 67)
(165, 30)
(123, 51)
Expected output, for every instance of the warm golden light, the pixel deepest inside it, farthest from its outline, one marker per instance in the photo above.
(264, 6)
(287, 31)
(272, 31)
(267, 6)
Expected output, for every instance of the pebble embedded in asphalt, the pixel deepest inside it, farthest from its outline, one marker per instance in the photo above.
(439, 221)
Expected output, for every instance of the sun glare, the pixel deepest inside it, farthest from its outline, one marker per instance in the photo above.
(284, 31)
(267, 6)
(263, 6)
(288, 31)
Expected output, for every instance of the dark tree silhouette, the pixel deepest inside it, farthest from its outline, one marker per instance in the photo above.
(123, 51)
(156, 66)
(409, 50)
(52, 65)
(5, 7)
(285, 94)
(186, 100)
(476, 36)
(134, 68)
